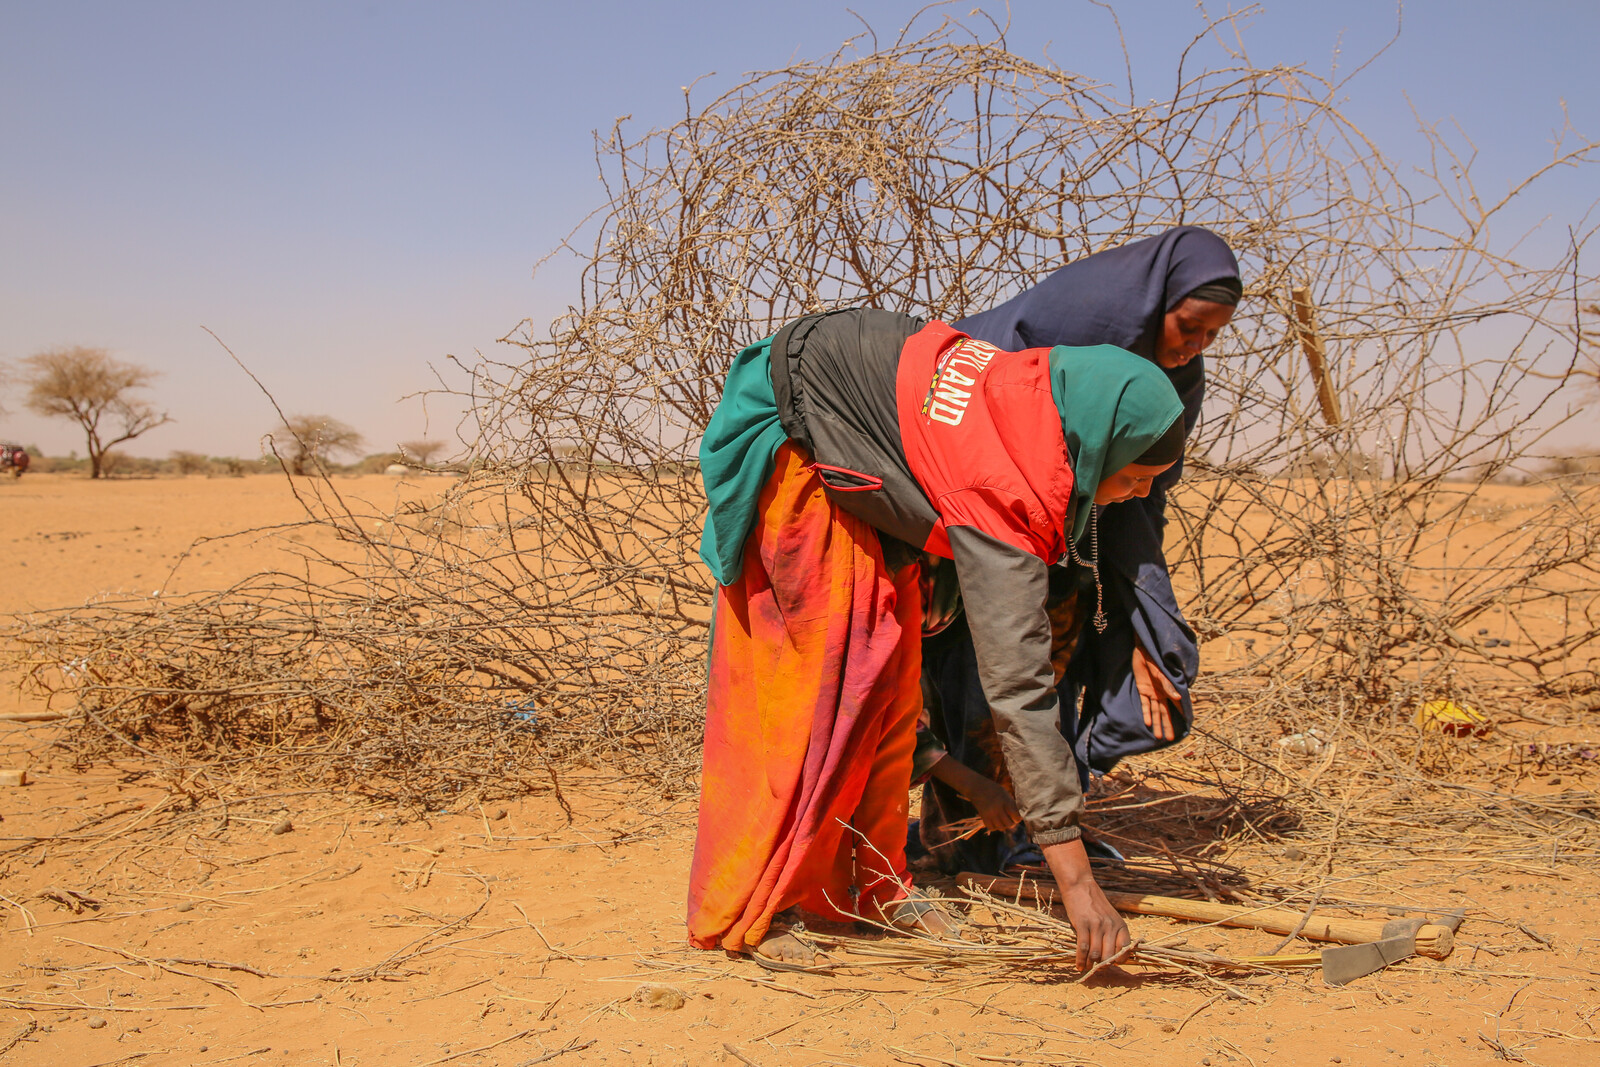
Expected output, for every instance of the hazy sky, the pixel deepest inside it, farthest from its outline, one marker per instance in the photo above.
(348, 192)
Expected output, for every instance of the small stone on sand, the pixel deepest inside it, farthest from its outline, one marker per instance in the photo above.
(660, 997)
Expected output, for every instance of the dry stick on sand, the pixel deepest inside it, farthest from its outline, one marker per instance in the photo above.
(28, 920)
(226, 987)
(570, 1046)
(387, 967)
(78, 1005)
(1196, 1010)
(481, 1048)
(1316, 898)
(1432, 940)
(741, 1057)
(22, 1032)
(1026, 939)
(812, 1016)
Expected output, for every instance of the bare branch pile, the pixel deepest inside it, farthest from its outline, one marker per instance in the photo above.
(934, 175)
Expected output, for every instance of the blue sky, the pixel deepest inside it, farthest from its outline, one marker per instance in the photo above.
(348, 192)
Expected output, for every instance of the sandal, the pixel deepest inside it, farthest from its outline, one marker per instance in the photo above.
(787, 923)
(907, 913)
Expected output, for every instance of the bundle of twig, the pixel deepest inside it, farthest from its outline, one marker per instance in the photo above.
(1004, 935)
(409, 660)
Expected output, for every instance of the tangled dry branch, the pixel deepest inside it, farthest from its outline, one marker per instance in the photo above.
(553, 603)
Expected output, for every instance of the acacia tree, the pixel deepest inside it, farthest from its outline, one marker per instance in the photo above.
(421, 452)
(86, 384)
(309, 442)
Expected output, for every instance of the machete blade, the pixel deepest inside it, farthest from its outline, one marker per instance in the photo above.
(1343, 964)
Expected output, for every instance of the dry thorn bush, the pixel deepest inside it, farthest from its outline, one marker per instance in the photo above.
(551, 609)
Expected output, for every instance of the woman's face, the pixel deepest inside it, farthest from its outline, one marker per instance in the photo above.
(1126, 484)
(1188, 330)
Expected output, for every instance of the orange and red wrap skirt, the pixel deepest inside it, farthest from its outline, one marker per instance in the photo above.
(810, 721)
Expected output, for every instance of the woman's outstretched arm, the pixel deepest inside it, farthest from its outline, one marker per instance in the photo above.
(1005, 592)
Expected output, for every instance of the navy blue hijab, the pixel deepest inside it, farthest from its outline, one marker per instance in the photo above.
(1117, 297)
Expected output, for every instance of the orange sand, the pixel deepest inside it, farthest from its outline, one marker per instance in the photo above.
(576, 916)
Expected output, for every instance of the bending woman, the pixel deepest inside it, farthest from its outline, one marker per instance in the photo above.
(843, 446)
(1126, 688)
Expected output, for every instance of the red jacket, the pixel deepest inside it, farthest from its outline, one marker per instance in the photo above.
(983, 437)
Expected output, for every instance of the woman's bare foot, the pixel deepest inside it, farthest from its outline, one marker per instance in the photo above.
(784, 949)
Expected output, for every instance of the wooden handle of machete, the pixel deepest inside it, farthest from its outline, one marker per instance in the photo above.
(1433, 941)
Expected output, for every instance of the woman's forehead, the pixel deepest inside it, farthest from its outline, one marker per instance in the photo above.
(1203, 312)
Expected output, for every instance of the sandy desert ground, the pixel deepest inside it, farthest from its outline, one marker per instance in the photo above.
(305, 927)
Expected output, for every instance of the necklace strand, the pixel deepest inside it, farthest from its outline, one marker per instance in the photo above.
(1094, 568)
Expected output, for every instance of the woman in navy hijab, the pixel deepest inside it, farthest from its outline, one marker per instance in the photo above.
(1164, 298)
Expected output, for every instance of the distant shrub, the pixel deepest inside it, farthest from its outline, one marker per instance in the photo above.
(1581, 468)
(189, 463)
(379, 462)
(43, 464)
(114, 464)
(422, 453)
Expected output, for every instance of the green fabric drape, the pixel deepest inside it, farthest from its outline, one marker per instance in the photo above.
(1113, 406)
(736, 458)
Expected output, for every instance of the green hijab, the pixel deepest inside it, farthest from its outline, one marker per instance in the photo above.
(1114, 405)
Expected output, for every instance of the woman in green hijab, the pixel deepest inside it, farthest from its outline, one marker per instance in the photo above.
(846, 447)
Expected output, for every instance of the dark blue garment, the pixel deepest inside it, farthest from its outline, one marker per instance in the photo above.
(959, 717)
(1139, 604)
(1118, 297)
